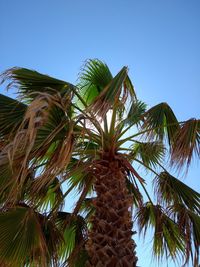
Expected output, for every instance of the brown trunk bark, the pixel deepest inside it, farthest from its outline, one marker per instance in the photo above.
(110, 241)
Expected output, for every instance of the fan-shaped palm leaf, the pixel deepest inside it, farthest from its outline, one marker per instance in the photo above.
(170, 190)
(21, 237)
(167, 235)
(189, 223)
(30, 83)
(136, 112)
(187, 143)
(160, 121)
(151, 153)
(94, 77)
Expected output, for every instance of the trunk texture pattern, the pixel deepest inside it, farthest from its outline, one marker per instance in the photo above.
(110, 241)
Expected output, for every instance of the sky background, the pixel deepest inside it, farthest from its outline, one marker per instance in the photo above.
(159, 40)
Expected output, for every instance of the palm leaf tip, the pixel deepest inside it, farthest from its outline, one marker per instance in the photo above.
(29, 83)
(187, 143)
(170, 190)
(167, 238)
(161, 122)
(95, 72)
(189, 224)
(20, 240)
(93, 78)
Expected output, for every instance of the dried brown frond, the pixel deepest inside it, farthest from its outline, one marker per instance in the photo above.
(58, 161)
(22, 146)
(100, 106)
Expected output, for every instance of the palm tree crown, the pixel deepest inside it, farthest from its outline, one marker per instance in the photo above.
(92, 137)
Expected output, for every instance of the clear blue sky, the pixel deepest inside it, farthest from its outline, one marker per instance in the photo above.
(158, 40)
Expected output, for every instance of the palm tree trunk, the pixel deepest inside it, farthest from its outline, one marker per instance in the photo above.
(110, 241)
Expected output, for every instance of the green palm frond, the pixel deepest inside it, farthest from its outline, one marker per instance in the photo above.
(78, 176)
(30, 82)
(97, 73)
(136, 112)
(51, 134)
(160, 121)
(134, 116)
(34, 240)
(130, 88)
(187, 143)
(189, 223)
(11, 115)
(136, 195)
(87, 207)
(94, 77)
(21, 237)
(167, 239)
(170, 190)
(74, 229)
(114, 93)
(150, 153)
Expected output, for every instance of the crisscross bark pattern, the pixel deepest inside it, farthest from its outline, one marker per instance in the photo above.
(110, 241)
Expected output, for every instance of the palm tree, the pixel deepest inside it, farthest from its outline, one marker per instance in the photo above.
(92, 138)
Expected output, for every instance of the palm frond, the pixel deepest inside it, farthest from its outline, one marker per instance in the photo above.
(160, 121)
(21, 237)
(151, 153)
(134, 116)
(136, 195)
(187, 143)
(136, 112)
(94, 77)
(170, 190)
(110, 94)
(11, 115)
(74, 230)
(87, 207)
(30, 83)
(23, 143)
(48, 197)
(167, 239)
(78, 175)
(58, 162)
(10, 190)
(130, 88)
(189, 223)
